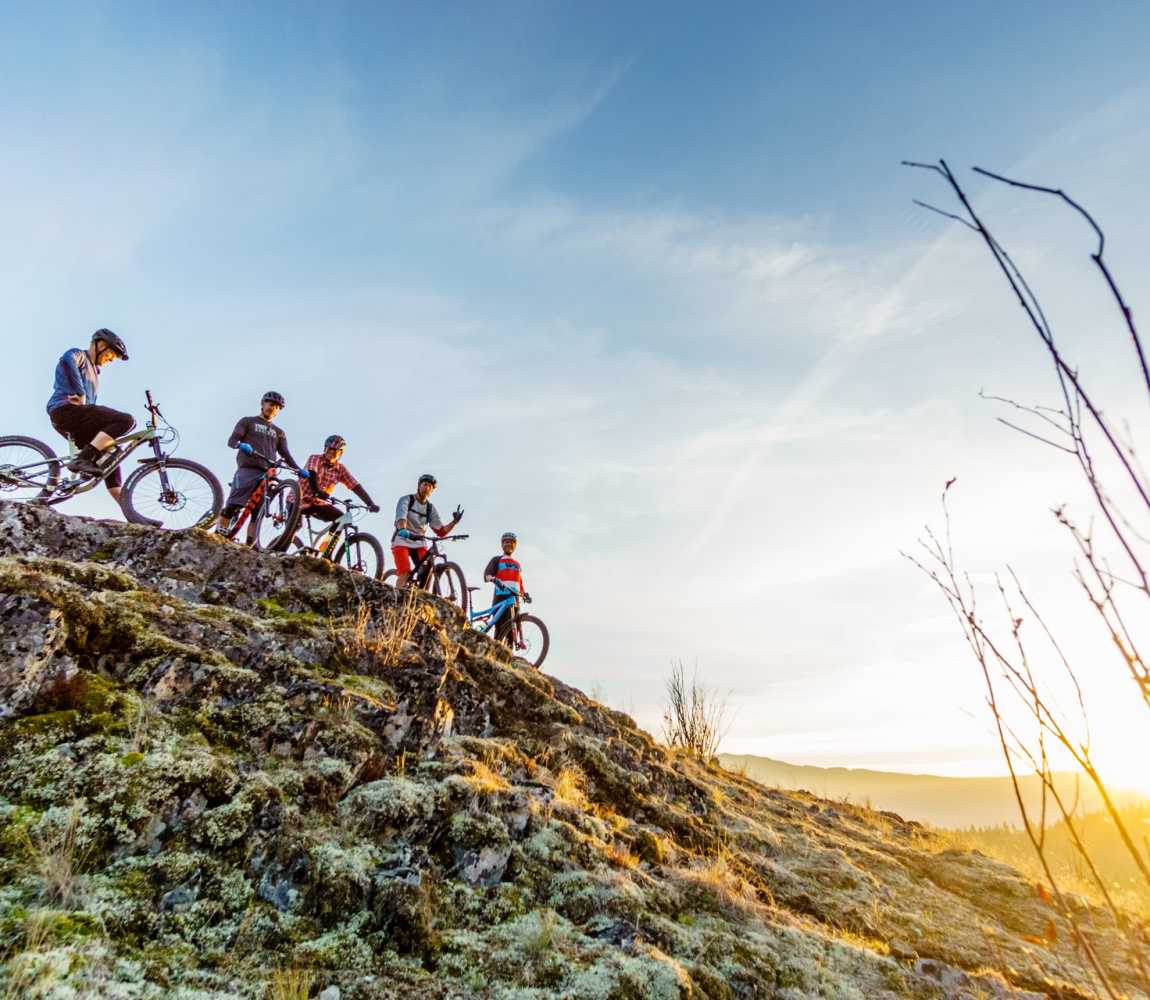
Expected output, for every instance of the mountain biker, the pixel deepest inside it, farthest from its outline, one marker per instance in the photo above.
(259, 443)
(414, 514)
(325, 472)
(506, 572)
(73, 411)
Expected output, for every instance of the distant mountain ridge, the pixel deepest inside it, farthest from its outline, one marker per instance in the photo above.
(955, 803)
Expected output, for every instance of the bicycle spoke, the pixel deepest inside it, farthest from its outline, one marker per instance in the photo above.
(25, 473)
(529, 639)
(180, 498)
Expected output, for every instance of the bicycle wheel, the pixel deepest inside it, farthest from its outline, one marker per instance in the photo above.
(389, 577)
(279, 515)
(534, 640)
(449, 583)
(361, 553)
(28, 470)
(178, 492)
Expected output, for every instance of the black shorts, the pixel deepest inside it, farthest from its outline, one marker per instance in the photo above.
(244, 484)
(80, 423)
(323, 512)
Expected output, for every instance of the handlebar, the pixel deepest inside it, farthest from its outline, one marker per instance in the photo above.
(349, 504)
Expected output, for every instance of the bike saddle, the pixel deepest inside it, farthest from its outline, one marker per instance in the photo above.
(474, 588)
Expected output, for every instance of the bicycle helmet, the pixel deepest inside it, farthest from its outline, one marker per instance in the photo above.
(427, 477)
(334, 441)
(113, 341)
(508, 536)
(271, 396)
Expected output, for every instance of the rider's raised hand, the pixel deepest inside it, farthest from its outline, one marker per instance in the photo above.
(246, 448)
(458, 515)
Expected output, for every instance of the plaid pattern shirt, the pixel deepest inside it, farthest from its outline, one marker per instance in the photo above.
(328, 475)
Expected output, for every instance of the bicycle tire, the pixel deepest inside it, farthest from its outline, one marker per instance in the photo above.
(280, 512)
(355, 564)
(202, 508)
(449, 583)
(51, 472)
(537, 647)
(390, 574)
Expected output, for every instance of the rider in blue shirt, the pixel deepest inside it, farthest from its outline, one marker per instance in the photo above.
(73, 410)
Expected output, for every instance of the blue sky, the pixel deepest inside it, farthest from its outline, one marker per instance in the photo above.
(640, 282)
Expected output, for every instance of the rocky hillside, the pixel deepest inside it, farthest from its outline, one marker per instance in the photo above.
(228, 774)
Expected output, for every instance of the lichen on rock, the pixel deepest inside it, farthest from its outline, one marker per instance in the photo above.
(212, 778)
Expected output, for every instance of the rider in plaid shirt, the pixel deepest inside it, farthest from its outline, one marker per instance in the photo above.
(325, 472)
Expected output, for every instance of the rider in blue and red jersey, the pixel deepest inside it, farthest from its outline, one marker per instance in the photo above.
(506, 572)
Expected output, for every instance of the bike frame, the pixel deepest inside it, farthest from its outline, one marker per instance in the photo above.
(492, 615)
(421, 574)
(337, 528)
(257, 502)
(75, 485)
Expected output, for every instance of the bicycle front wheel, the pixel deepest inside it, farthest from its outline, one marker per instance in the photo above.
(531, 639)
(362, 553)
(28, 469)
(280, 515)
(179, 493)
(450, 584)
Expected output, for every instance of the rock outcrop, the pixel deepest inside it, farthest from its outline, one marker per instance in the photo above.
(230, 774)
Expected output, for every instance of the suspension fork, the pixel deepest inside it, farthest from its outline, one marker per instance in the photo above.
(161, 464)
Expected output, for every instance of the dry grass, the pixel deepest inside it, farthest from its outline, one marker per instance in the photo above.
(341, 708)
(542, 939)
(383, 637)
(292, 983)
(450, 648)
(485, 780)
(144, 716)
(621, 857)
(23, 979)
(570, 783)
(56, 858)
(718, 877)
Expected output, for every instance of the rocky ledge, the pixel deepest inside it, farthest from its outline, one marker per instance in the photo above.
(230, 774)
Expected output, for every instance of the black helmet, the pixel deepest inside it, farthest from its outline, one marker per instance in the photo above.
(427, 477)
(334, 441)
(113, 341)
(271, 396)
(508, 536)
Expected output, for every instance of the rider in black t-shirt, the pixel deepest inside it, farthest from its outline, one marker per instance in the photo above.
(259, 444)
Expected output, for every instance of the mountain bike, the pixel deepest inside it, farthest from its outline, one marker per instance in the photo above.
(528, 637)
(437, 575)
(177, 492)
(274, 511)
(346, 545)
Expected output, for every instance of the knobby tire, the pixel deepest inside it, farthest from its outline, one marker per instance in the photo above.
(50, 473)
(351, 555)
(279, 515)
(450, 584)
(535, 634)
(179, 510)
